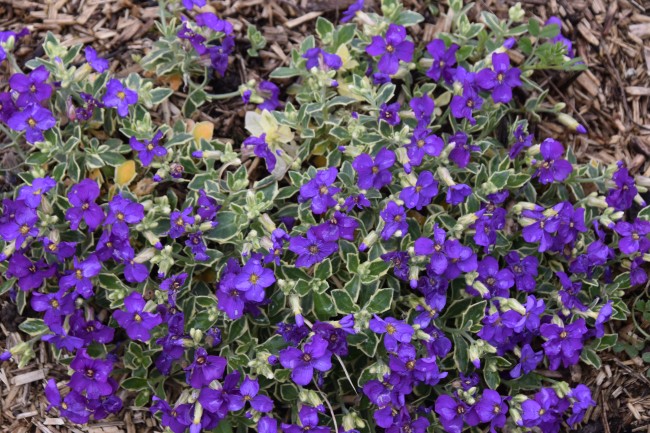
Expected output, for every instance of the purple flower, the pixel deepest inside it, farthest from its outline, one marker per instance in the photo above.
(261, 150)
(351, 11)
(423, 142)
(541, 229)
(195, 39)
(423, 109)
(211, 21)
(395, 218)
(392, 49)
(522, 141)
(119, 97)
(451, 413)
(622, 195)
(270, 93)
(633, 236)
(460, 259)
(396, 331)
(97, 63)
(543, 410)
(501, 79)
(91, 375)
(320, 191)
(389, 113)
(123, 211)
(207, 207)
(582, 400)
(31, 88)
(30, 275)
(80, 276)
(205, 369)
(524, 271)
(314, 356)
(443, 60)
(7, 106)
(32, 194)
(319, 58)
(422, 193)
(73, 406)
(374, 174)
(253, 279)
(178, 221)
(189, 4)
(569, 292)
(136, 322)
(563, 342)
(148, 149)
(197, 246)
(463, 105)
(55, 305)
(490, 408)
(339, 226)
(311, 249)
(34, 119)
(528, 361)
(82, 197)
(308, 422)
(91, 330)
(456, 194)
(173, 283)
(249, 390)
(604, 315)
(18, 221)
(461, 152)
(498, 281)
(219, 54)
(554, 168)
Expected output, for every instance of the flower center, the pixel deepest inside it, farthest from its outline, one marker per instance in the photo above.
(253, 278)
(635, 236)
(85, 206)
(497, 408)
(517, 269)
(313, 249)
(32, 269)
(248, 398)
(397, 218)
(179, 221)
(563, 334)
(32, 88)
(121, 95)
(200, 360)
(491, 281)
(420, 143)
(24, 229)
(51, 247)
(306, 357)
(375, 169)
(150, 146)
(79, 274)
(418, 188)
(542, 411)
(500, 77)
(323, 190)
(64, 405)
(460, 409)
(410, 365)
(390, 329)
(470, 103)
(137, 317)
(90, 373)
(120, 216)
(390, 48)
(54, 303)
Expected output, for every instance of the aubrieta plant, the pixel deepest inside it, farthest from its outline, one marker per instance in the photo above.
(391, 249)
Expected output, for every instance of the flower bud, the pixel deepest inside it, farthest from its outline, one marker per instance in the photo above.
(597, 201)
(145, 255)
(445, 176)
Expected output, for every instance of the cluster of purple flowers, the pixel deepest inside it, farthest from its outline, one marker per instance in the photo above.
(218, 54)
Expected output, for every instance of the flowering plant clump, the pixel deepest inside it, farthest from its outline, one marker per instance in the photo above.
(407, 257)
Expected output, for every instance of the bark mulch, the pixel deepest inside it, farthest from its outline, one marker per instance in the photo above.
(612, 99)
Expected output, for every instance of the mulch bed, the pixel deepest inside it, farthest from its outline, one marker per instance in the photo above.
(612, 99)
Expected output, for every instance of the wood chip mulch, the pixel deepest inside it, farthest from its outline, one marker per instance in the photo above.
(612, 99)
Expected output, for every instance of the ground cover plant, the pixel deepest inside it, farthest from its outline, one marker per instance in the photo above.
(401, 253)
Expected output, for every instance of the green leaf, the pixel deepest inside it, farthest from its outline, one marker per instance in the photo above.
(409, 18)
(343, 302)
(589, 356)
(34, 327)
(159, 94)
(323, 306)
(500, 178)
(285, 73)
(461, 355)
(324, 28)
(472, 317)
(533, 27)
(135, 384)
(517, 180)
(323, 270)
(380, 301)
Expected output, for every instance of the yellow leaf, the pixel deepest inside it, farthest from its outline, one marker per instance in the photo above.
(125, 173)
(203, 130)
(96, 174)
(320, 161)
